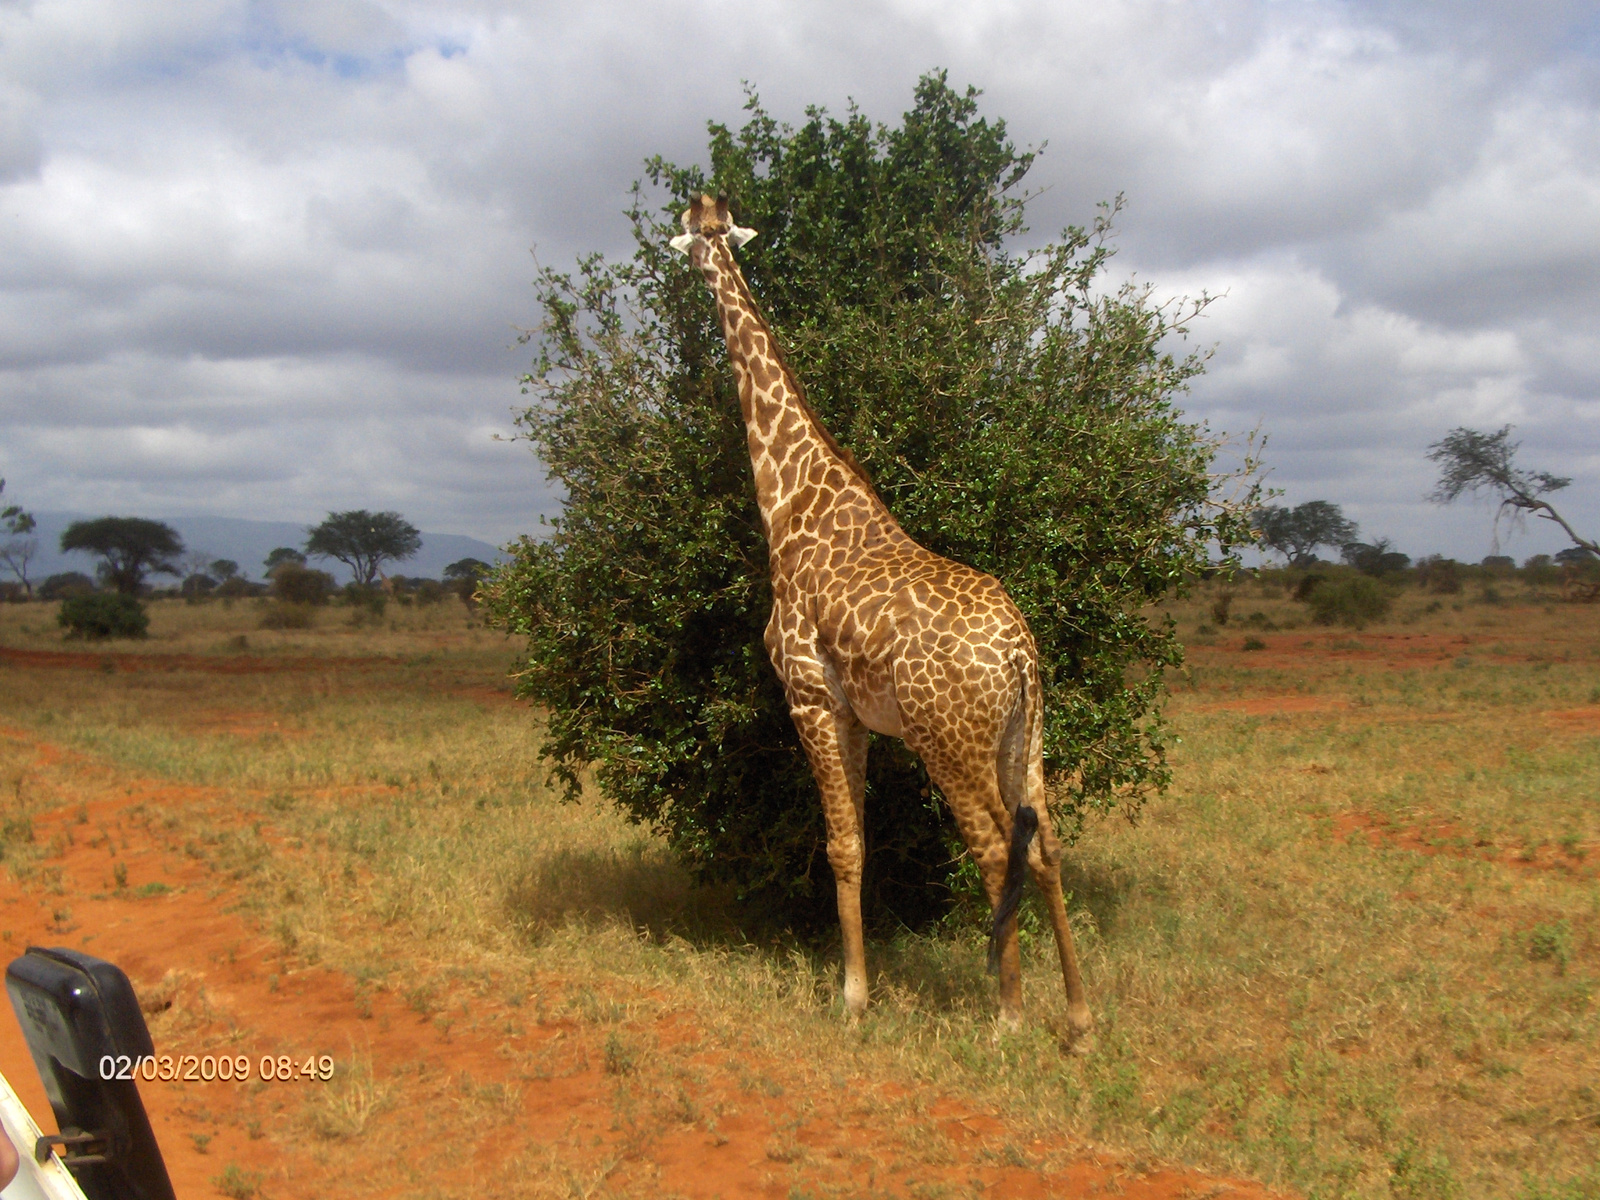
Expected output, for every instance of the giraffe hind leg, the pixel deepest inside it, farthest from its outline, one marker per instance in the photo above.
(1024, 823)
(1021, 763)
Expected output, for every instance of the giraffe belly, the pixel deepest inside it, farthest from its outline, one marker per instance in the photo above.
(875, 707)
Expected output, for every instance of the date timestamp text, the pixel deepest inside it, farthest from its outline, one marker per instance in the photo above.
(205, 1068)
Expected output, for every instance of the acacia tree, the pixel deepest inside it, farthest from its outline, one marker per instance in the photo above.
(364, 541)
(1296, 532)
(1378, 558)
(1476, 462)
(281, 555)
(18, 550)
(129, 549)
(1013, 412)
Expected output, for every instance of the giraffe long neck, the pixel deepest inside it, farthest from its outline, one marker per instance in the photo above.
(792, 454)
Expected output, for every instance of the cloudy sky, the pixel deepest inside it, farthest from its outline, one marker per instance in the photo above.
(268, 259)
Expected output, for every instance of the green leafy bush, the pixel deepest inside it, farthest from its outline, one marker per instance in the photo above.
(296, 584)
(103, 615)
(1355, 601)
(368, 599)
(1014, 410)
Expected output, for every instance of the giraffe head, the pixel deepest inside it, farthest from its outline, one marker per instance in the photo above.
(705, 219)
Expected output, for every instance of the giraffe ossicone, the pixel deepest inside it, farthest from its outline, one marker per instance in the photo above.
(872, 632)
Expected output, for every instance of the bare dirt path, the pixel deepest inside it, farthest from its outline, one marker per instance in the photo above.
(474, 1091)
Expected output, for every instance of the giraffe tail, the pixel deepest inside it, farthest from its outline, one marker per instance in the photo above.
(1023, 827)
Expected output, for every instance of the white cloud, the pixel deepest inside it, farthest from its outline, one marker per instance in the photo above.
(264, 259)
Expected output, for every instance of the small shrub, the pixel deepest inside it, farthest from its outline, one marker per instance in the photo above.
(1551, 943)
(619, 1056)
(1440, 575)
(429, 591)
(1352, 602)
(1220, 607)
(103, 615)
(1422, 1178)
(237, 1183)
(1254, 643)
(1306, 585)
(284, 614)
(366, 598)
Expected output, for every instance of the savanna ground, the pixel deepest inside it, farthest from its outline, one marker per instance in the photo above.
(1354, 950)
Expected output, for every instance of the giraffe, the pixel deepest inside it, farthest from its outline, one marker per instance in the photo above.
(871, 632)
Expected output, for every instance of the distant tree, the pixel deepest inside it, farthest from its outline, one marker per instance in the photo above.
(1379, 558)
(129, 549)
(1498, 562)
(20, 546)
(1296, 532)
(65, 585)
(223, 569)
(284, 554)
(194, 570)
(463, 576)
(1575, 556)
(364, 541)
(1477, 462)
(197, 587)
(1439, 574)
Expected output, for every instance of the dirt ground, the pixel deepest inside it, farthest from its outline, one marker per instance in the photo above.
(468, 1105)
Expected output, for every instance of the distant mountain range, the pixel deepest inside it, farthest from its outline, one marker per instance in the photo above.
(248, 543)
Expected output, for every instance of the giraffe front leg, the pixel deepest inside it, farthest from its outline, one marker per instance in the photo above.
(837, 749)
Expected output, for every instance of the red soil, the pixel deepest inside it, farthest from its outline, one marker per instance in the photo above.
(1576, 720)
(241, 664)
(1268, 706)
(478, 1094)
(1443, 837)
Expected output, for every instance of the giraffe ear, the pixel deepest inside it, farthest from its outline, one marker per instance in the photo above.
(682, 242)
(738, 235)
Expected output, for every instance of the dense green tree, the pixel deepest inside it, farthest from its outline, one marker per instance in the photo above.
(1015, 412)
(1296, 532)
(1475, 462)
(296, 584)
(129, 548)
(364, 541)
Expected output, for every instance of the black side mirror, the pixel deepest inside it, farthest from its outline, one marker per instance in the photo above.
(87, 1037)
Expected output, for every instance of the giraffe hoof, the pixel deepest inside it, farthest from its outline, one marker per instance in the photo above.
(1007, 1023)
(855, 1000)
(1082, 1046)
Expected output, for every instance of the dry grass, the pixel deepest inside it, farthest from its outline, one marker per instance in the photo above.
(1355, 950)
